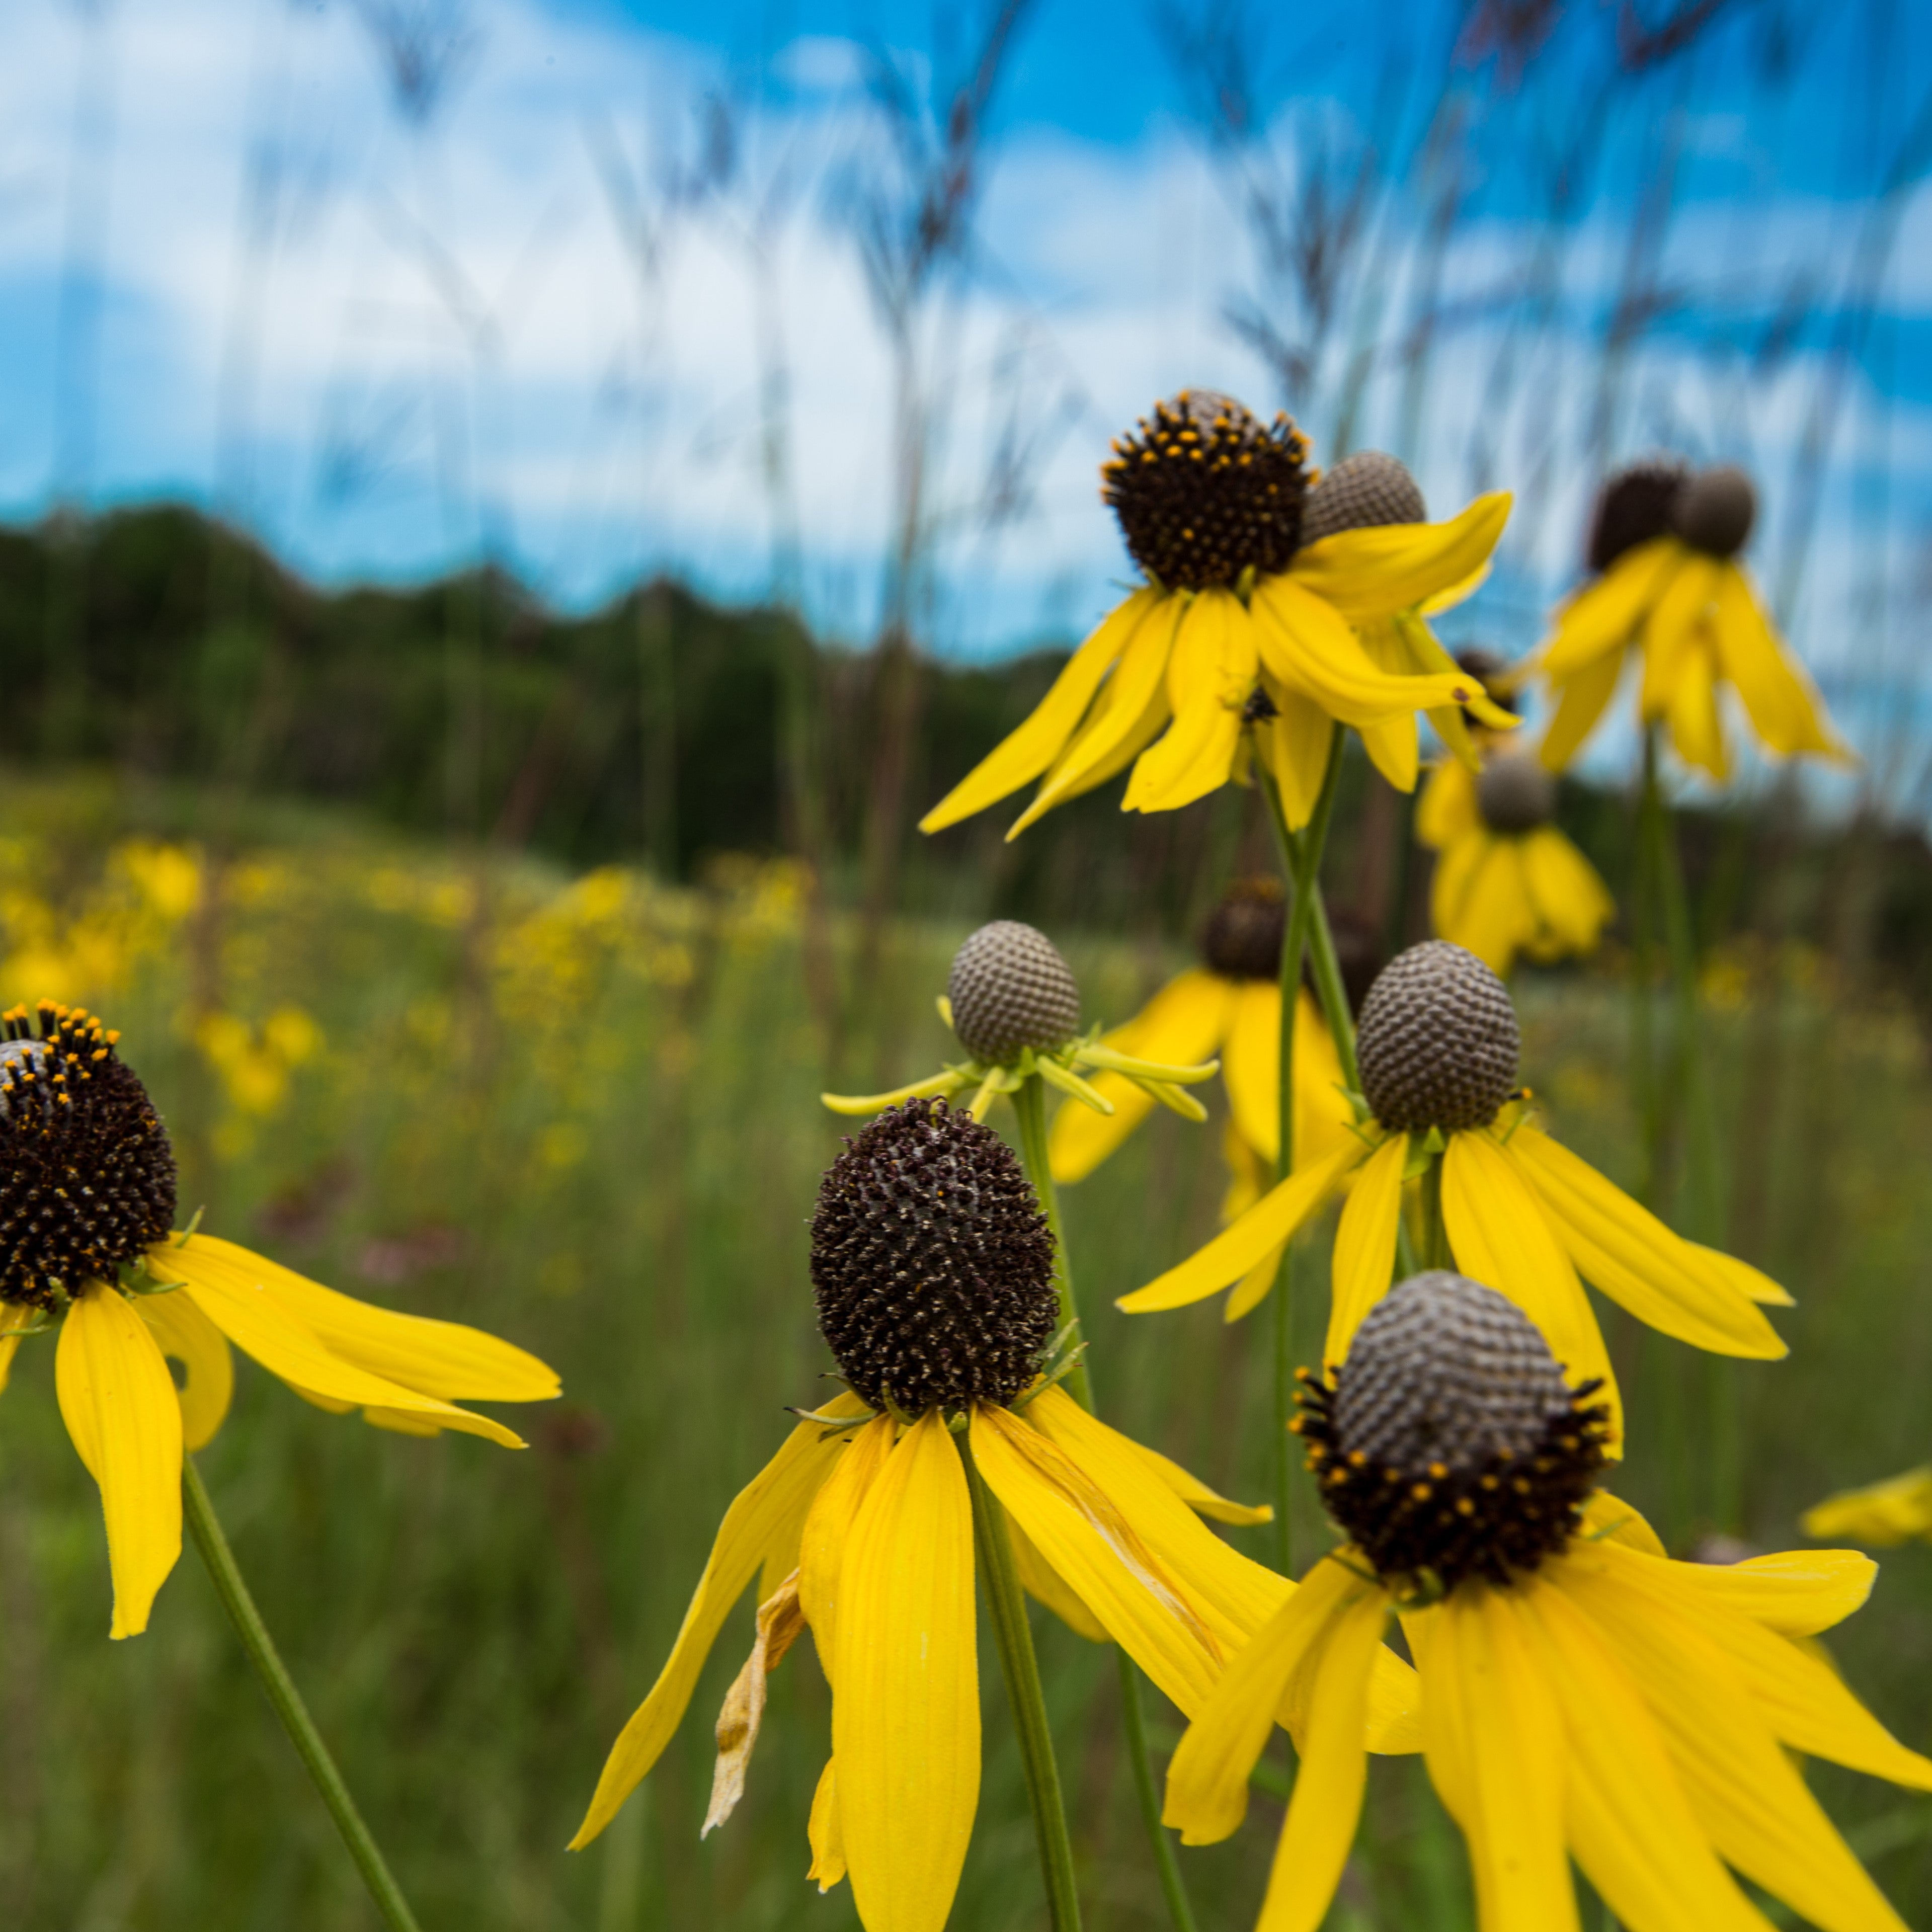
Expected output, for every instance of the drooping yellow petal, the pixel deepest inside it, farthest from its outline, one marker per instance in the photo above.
(823, 1831)
(1607, 614)
(1324, 1118)
(1752, 1283)
(1210, 672)
(1364, 1261)
(1251, 1065)
(117, 1401)
(1026, 752)
(1571, 903)
(1196, 1495)
(1798, 1592)
(828, 1523)
(1307, 647)
(1129, 715)
(1480, 900)
(1670, 633)
(1207, 1779)
(187, 1336)
(1265, 1225)
(1180, 1026)
(783, 1488)
(1696, 732)
(1780, 700)
(1045, 1585)
(1580, 698)
(1746, 1793)
(1896, 1510)
(905, 1705)
(1294, 747)
(1500, 1237)
(1495, 1751)
(1447, 806)
(1608, 1517)
(1629, 1822)
(1254, 1287)
(260, 1325)
(444, 1359)
(1375, 572)
(8, 1344)
(1634, 1258)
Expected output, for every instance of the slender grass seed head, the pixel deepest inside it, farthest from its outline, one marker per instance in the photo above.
(1360, 492)
(1242, 937)
(1633, 507)
(931, 1263)
(1204, 491)
(1714, 511)
(1448, 1444)
(1515, 794)
(1438, 1041)
(87, 1175)
(1009, 989)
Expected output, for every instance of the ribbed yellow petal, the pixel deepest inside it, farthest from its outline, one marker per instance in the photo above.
(1606, 614)
(1629, 1823)
(1327, 1803)
(187, 1336)
(1394, 748)
(1799, 1592)
(1266, 1224)
(1207, 1779)
(1580, 699)
(1895, 1510)
(1306, 646)
(1196, 1495)
(1480, 899)
(905, 1706)
(1083, 1534)
(1131, 712)
(1634, 1258)
(117, 1401)
(823, 1832)
(1670, 635)
(1746, 1793)
(258, 1323)
(1026, 752)
(1783, 705)
(828, 1523)
(1495, 1748)
(443, 1359)
(1572, 904)
(1251, 1065)
(1364, 1261)
(1044, 1584)
(1500, 1236)
(1753, 1283)
(1293, 746)
(1212, 670)
(782, 1489)
(1447, 806)
(1696, 732)
(1803, 1700)
(1608, 1517)
(1375, 572)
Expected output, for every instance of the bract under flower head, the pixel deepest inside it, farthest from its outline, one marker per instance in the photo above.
(1204, 492)
(87, 1175)
(1438, 1041)
(931, 1263)
(1448, 1444)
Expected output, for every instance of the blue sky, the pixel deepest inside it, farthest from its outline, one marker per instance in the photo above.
(250, 282)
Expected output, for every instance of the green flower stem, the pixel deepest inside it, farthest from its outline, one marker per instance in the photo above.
(1435, 1243)
(1021, 1668)
(233, 1592)
(1029, 1104)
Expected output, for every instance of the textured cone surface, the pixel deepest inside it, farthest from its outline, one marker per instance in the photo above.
(1515, 794)
(1438, 1041)
(87, 1176)
(1360, 492)
(1009, 988)
(931, 1262)
(1714, 511)
(1203, 491)
(1634, 506)
(1242, 938)
(1449, 1442)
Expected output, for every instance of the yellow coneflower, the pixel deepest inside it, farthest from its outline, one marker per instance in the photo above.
(1666, 543)
(932, 1270)
(87, 1205)
(1439, 1047)
(1583, 1696)
(1898, 1510)
(1229, 1007)
(1240, 643)
(1014, 1004)
(1506, 880)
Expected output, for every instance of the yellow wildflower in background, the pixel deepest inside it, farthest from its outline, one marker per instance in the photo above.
(87, 1198)
(1898, 1510)
(1667, 542)
(1583, 1696)
(1506, 881)
(863, 1524)
(1240, 643)
(1438, 1048)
